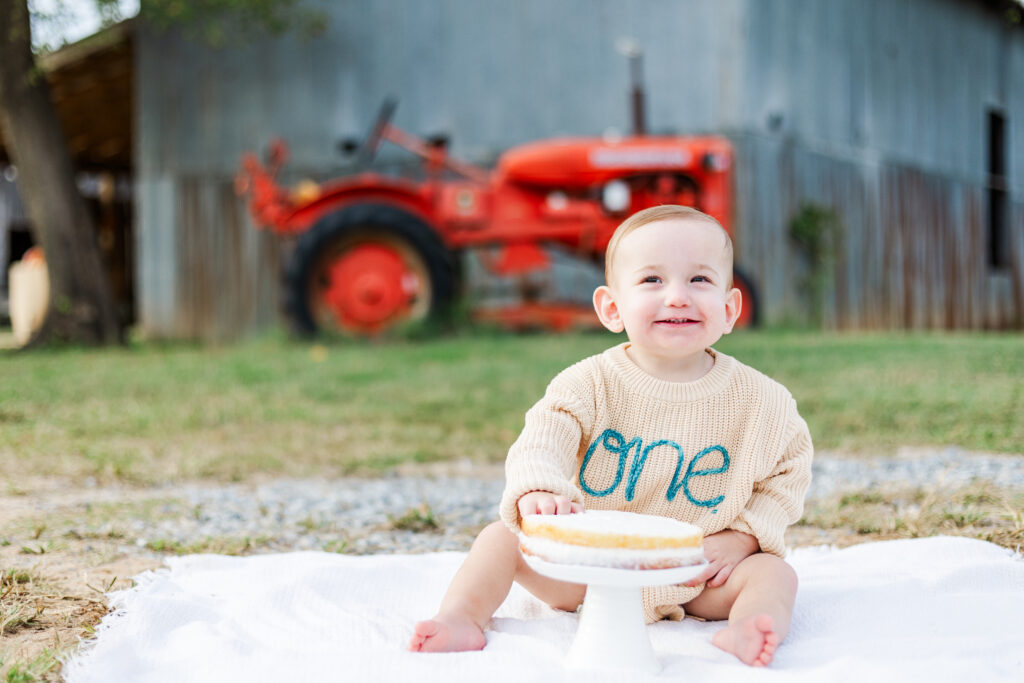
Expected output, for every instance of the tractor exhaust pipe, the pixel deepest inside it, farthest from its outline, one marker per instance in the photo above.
(639, 113)
(631, 50)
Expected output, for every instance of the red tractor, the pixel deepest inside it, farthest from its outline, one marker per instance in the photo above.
(375, 251)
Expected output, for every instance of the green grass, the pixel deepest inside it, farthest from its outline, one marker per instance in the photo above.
(979, 510)
(38, 669)
(864, 392)
(419, 519)
(16, 611)
(217, 546)
(153, 412)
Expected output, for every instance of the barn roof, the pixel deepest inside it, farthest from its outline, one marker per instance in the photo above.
(91, 86)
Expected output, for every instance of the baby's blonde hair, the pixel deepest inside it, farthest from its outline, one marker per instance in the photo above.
(662, 213)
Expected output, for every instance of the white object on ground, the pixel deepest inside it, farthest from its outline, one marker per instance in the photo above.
(29, 285)
(936, 609)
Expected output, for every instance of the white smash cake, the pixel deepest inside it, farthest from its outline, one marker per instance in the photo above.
(609, 538)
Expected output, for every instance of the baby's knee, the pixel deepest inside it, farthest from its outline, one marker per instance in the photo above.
(497, 535)
(779, 571)
(496, 531)
(569, 601)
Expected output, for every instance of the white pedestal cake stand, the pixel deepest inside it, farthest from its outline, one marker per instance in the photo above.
(612, 633)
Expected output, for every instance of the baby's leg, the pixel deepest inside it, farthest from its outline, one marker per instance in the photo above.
(479, 588)
(758, 600)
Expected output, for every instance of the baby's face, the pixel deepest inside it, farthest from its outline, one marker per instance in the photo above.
(671, 287)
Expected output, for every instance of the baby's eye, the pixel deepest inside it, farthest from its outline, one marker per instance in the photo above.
(700, 278)
(651, 278)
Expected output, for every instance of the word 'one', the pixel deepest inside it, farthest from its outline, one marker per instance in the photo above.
(616, 444)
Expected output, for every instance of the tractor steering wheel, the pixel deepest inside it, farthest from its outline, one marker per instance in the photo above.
(373, 140)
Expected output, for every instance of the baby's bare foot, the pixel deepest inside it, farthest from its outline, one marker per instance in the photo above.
(753, 640)
(447, 634)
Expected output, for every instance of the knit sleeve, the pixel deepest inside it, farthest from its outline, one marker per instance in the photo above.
(544, 457)
(778, 500)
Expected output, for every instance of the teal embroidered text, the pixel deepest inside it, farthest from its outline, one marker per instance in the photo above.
(616, 444)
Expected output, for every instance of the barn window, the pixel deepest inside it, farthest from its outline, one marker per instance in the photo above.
(998, 230)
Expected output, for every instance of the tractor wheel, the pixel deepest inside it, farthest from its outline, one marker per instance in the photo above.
(366, 269)
(750, 314)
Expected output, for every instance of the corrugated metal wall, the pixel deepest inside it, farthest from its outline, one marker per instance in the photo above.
(874, 107)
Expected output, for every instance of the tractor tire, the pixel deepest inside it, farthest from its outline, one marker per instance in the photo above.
(364, 270)
(750, 313)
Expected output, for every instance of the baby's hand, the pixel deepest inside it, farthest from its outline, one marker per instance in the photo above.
(547, 503)
(724, 551)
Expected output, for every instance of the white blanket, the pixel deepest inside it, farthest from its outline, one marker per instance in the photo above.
(937, 609)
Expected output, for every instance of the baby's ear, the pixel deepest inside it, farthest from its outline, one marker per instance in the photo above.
(607, 310)
(733, 307)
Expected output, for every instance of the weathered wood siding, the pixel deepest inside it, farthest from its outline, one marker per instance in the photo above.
(874, 107)
(914, 249)
(213, 276)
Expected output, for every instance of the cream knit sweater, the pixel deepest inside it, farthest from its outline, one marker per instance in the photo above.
(727, 451)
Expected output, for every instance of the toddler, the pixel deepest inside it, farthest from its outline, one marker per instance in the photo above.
(662, 424)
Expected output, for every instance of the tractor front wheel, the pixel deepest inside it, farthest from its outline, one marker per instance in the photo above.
(366, 269)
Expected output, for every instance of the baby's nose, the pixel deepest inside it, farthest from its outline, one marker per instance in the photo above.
(676, 296)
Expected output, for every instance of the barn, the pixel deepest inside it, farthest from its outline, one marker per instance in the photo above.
(898, 125)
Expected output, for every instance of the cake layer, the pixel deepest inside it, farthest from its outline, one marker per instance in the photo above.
(616, 558)
(613, 529)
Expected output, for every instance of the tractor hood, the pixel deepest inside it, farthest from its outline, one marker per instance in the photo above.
(576, 162)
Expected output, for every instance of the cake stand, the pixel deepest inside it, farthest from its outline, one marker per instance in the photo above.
(612, 632)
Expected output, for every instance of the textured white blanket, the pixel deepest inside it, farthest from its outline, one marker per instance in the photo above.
(937, 609)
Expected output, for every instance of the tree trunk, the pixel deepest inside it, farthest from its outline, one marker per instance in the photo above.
(82, 307)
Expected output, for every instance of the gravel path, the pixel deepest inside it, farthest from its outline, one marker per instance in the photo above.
(357, 515)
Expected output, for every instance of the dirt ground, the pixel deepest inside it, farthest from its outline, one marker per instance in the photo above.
(62, 600)
(54, 576)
